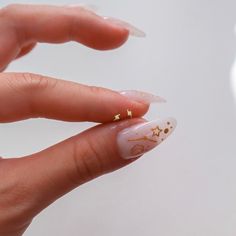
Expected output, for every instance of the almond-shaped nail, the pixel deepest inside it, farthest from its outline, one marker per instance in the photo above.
(142, 97)
(134, 31)
(141, 138)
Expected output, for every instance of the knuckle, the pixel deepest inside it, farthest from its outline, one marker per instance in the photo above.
(88, 161)
(8, 10)
(12, 7)
(29, 87)
(15, 201)
(34, 86)
(27, 82)
(11, 17)
(96, 90)
(72, 20)
(35, 82)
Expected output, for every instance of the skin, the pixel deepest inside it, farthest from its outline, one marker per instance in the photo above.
(27, 182)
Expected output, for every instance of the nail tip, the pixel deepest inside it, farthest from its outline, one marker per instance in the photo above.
(143, 97)
(161, 100)
(169, 123)
(136, 32)
(144, 137)
(139, 34)
(133, 30)
(174, 121)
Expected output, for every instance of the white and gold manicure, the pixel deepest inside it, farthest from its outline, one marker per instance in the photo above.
(141, 138)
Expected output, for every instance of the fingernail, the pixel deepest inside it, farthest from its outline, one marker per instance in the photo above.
(89, 7)
(134, 31)
(141, 138)
(142, 97)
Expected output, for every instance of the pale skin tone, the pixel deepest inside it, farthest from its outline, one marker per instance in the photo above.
(30, 184)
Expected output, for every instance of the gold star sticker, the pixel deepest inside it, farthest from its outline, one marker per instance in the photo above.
(156, 131)
(116, 117)
(129, 113)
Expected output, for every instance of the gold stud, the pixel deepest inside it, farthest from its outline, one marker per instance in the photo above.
(116, 117)
(129, 114)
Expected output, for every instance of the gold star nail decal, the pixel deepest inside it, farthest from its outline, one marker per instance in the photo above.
(156, 131)
(129, 113)
(116, 117)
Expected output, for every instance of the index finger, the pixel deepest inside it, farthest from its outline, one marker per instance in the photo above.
(24, 25)
(59, 24)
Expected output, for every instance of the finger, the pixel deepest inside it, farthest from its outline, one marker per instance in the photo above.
(24, 96)
(10, 46)
(21, 25)
(34, 23)
(26, 49)
(100, 150)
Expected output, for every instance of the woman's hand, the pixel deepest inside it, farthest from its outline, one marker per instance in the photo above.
(29, 184)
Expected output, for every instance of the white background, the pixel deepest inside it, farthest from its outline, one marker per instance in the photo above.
(186, 187)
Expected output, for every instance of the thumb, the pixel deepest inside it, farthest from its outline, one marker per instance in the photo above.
(99, 150)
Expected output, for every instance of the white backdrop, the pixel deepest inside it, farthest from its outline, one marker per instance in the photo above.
(186, 186)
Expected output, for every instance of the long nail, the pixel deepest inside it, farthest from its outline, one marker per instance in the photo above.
(142, 97)
(141, 138)
(134, 31)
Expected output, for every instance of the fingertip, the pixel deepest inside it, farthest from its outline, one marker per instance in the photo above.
(108, 37)
(142, 109)
(97, 32)
(68, 24)
(127, 111)
(121, 35)
(117, 107)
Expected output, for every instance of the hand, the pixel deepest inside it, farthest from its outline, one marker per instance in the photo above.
(30, 184)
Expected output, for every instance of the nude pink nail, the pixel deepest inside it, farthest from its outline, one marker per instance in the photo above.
(134, 31)
(141, 138)
(143, 97)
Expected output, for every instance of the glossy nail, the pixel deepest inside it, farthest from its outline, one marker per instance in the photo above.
(141, 138)
(134, 31)
(142, 97)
